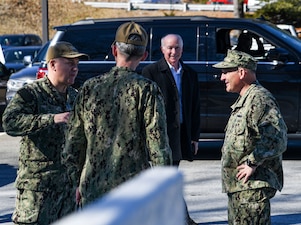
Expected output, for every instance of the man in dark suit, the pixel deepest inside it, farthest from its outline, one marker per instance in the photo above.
(179, 85)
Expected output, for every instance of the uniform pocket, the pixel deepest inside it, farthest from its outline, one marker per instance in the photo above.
(27, 207)
(235, 132)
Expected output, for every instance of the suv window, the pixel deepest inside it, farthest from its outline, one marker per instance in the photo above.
(94, 42)
(260, 47)
(274, 62)
(241, 40)
(97, 42)
(189, 36)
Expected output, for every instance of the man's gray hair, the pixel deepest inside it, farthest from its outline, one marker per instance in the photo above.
(130, 51)
(180, 40)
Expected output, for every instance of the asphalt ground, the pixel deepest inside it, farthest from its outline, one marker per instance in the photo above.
(202, 188)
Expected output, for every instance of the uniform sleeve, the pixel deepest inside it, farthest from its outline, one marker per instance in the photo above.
(21, 118)
(156, 128)
(271, 138)
(74, 153)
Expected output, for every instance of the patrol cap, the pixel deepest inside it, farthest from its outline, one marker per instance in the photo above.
(65, 50)
(237, 59)
(127, 30)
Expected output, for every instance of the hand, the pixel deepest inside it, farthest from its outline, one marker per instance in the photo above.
(195, 147)
(61, 117)
(244, 172)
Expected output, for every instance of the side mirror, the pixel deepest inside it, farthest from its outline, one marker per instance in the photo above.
(278, 54)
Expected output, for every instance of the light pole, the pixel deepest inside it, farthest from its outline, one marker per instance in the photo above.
(238, 8)
(45, 32)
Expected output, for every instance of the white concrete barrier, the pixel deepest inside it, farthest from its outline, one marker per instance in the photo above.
(154, 197)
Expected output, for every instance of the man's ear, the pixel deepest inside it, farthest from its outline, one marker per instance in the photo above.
(51, 63)
(114, 50)
(242, 73)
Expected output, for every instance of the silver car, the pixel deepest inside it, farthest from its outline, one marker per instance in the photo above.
(26, 75)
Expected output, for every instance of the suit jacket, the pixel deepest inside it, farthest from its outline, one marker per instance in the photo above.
(179, 139)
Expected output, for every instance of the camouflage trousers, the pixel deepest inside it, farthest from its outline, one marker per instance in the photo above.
(42, 208)
(250, 207)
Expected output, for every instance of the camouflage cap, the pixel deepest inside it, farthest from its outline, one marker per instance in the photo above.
(237, 59)
(65, 50)
(127, 30)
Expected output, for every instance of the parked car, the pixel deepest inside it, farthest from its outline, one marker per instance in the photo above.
(17, 58)
(7, 40)
(206, 41)
(25, 75)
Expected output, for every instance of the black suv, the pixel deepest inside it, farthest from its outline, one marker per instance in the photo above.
(206, 41)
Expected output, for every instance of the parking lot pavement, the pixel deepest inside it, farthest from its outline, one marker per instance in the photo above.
(206, 204)
(8, 168)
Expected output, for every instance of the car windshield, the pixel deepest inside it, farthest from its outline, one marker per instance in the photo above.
(17, 55)
(11, 41)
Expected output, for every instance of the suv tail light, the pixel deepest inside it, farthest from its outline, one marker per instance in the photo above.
(41, 73)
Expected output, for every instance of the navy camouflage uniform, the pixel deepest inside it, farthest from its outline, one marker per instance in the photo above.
(41, 178)
(256, 132)
(118, 129)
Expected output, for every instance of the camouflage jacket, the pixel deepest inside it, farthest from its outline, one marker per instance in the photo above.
(117, 127)
(30, 114)
(255, 131)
